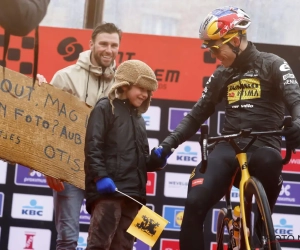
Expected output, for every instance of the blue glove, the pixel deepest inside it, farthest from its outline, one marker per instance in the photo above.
(106, 186)
(160, 155)
(162, 152)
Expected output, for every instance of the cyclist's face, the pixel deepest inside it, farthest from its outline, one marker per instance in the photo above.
(223, 53)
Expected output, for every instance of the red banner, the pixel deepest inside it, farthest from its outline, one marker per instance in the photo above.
(293, 165)
(181, 66)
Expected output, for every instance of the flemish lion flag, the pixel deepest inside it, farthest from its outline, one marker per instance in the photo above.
(147, 226)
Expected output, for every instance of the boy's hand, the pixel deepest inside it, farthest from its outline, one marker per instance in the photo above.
(159, 155)
(106, 186)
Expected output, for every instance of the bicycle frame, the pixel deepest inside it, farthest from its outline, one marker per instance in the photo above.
(241, 155)
(242, 159)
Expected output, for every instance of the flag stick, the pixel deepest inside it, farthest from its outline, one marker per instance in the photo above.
(129, 197)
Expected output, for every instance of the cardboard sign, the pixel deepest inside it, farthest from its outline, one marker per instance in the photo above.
(42, 127)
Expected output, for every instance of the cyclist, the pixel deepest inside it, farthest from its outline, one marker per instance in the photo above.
(257, 87)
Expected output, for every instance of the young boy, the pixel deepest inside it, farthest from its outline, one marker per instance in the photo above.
(117, 156)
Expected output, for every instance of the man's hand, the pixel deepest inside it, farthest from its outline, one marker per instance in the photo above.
(106, 186)
(55, 184)
(41, 79)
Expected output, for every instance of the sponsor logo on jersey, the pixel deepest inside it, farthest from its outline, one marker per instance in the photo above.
(284, 67)
(288, 75)
(244, 89)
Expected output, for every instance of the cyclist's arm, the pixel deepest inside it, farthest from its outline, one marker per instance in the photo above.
(200, 112)
(19, 17)
(289, 87)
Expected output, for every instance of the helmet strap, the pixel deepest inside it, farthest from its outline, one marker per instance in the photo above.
(237, 49)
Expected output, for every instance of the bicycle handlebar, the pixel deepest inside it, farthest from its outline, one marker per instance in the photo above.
(206, 142)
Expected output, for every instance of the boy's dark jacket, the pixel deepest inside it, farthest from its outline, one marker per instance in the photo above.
(116, 146)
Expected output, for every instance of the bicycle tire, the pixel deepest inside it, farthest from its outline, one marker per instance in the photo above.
(221, 228)
(266, 237)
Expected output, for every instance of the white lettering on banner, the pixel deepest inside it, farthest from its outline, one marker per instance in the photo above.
(176, 185)
(152, 118)
(28, 179)
(295, 161)
(32, 207)
(286, 224)
(29, 238)
(289, 194)
(187, 154)
(285, 190)
(293, 165)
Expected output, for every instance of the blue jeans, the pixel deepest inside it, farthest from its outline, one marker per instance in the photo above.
(67, 205)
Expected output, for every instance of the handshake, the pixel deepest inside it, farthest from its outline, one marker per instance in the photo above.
(158, 157)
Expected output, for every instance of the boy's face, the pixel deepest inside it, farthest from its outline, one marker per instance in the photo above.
(136, 95)
(104, 49)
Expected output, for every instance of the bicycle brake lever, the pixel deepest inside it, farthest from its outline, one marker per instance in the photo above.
(204, 144)
(287, 122)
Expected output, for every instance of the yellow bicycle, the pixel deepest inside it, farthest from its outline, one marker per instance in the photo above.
(263, 237)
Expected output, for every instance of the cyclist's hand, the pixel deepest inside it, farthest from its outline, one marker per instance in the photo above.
(55, 184)
(159, 156)
(292, 135)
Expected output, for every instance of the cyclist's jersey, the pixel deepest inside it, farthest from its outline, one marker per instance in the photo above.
(256, 93)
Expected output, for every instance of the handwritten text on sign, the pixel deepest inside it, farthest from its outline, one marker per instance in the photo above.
(42, 127)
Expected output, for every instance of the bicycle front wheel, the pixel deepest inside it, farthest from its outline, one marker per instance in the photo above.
(262, 236)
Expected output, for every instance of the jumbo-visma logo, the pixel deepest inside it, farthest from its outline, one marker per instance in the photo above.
(174, 214)
(187, 154)
(32, 207)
